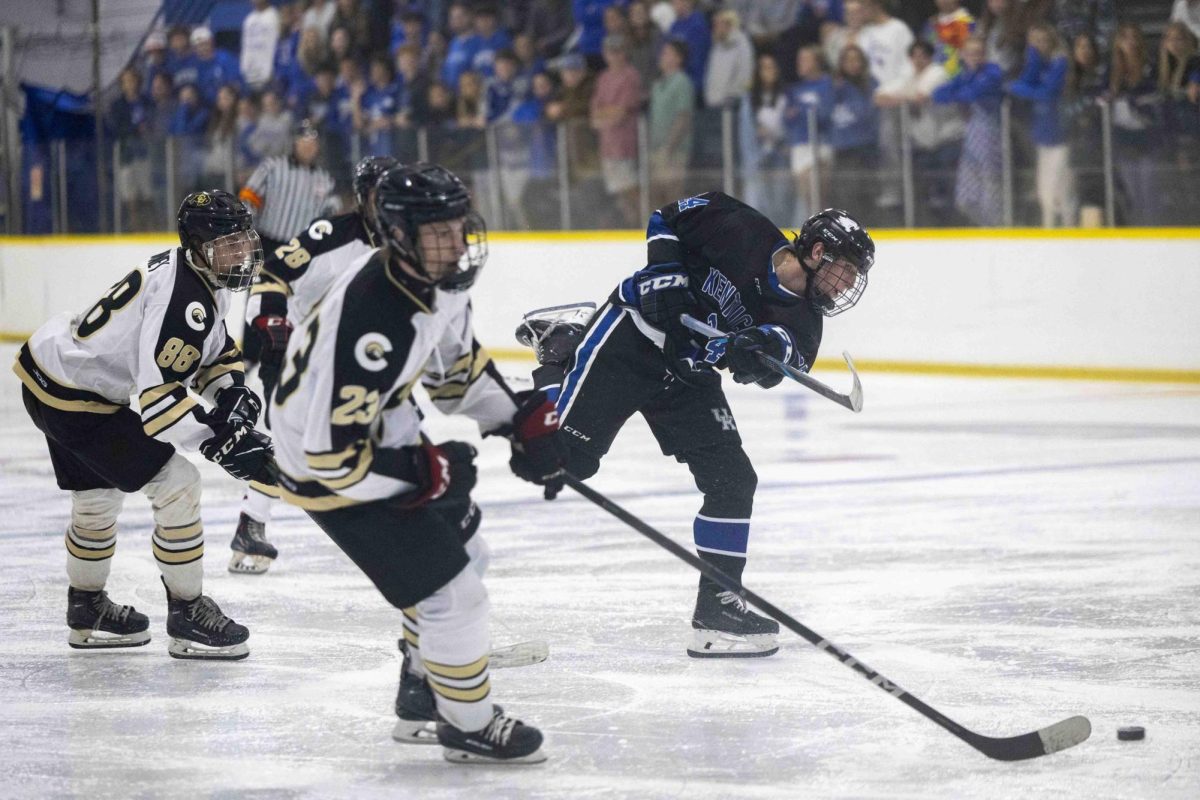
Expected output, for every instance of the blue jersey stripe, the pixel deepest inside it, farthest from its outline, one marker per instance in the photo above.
(585, 353)
(727, 536)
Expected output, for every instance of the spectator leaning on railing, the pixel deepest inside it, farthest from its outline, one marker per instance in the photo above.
(1041, 82)
(769, 186)
(1086, 85)
(1136, 107)
(614, 117)
(809, 99)
(979, 87)
(730, 62)
(130, 120)
(672, 100)
(854, 132)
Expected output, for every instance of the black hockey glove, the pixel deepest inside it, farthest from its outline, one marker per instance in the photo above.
(684, 363)
(538, 454)
(273, 332)
(243, 452)
(744, 363)
(234, 404)
(443, 471)
(663, 293)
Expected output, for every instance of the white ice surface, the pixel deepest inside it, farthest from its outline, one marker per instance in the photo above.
(1012, 552)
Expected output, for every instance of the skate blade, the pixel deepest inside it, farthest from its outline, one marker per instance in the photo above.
(466, 757)
(415, 731)
(103, 640)
(187, 649)
(522, 654)
(245, 564)
(719, 644)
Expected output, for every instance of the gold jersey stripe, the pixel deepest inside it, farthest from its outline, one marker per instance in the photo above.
(365, 459)
(90, 406)
(209, 374)
(330, 460)
(156, 393)
(169, 417)
(463, 695)
(458, 672)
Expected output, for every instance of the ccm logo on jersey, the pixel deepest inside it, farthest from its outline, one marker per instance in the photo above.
(663, 282)
(371, 351)
(196, 316)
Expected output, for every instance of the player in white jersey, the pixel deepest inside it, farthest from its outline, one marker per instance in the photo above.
(293, 279)
(352, 453)
(158, 333)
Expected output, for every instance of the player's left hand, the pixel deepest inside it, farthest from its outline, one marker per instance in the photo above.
(538, 453)
(744, 363)
(236, 403)
(243, 452)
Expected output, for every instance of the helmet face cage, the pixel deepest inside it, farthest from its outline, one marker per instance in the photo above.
(468, 253)
(233, 261)
(836, 284)
(840, 279)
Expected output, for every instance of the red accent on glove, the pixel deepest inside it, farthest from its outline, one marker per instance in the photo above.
(433, 469)
(275, 331)
(536, 421)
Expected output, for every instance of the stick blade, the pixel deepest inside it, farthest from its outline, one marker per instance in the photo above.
(1059, 736)
(856, 396)
(522, 654)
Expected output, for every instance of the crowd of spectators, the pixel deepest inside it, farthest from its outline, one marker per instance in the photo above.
(822, 94)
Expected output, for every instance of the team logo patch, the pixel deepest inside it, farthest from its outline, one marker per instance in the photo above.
(725, 417)
(196, 316)
(371, 351)
(201, 199)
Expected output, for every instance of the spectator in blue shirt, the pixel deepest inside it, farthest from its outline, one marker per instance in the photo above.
(502, 95)
(1042, 82)
(410, 29)
(589, 24)
(178, 61)
(214, 68)
(154, 58)
(129, 119)
(376, 108)
(462, 46)
(187, 126)
(979, 87)
(854, 131)
(491, 40)
(287, 48)
(691, 28)
(811, 96)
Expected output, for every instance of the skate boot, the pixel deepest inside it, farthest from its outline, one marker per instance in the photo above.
(199, 630)
(723, 626)
(505, 740)
(415, 706)
(555, 332)
(97, 622)
(252, 553)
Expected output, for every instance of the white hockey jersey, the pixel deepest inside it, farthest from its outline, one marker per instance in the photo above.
(157, 333)
(298, 274)
(343, 399)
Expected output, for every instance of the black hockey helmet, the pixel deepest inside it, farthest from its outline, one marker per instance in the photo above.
(832, 287)
(366, 175)
(218, 240)
(411, 195)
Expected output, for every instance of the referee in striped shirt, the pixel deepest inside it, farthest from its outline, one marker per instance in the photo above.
(288, 193)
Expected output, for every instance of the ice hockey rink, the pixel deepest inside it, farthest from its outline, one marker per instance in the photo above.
(1012, 552)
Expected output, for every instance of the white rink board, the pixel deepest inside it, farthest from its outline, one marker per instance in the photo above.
(1074, 302)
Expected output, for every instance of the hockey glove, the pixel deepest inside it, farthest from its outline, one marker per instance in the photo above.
(538, 454)
(235, 404)
(243, 452)
(744, 363)
(273, 332)
(663, 294)
(443, 471)
(684, 363)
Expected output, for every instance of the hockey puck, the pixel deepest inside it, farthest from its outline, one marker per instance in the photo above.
(1132, 733)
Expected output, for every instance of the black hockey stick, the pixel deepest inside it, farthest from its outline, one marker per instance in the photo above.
(1059, 736)
(852, 401)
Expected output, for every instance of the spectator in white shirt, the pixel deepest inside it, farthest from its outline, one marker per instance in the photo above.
(730, 62)
(319, 16)
(1187, 12)
(260, 34)
(886, 40)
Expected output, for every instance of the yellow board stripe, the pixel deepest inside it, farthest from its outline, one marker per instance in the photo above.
(459, 673)
(463, 695)
(169, 417)
(178, 556)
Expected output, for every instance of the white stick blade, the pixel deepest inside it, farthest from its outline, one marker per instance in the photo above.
(856, 395)
(1068, 733)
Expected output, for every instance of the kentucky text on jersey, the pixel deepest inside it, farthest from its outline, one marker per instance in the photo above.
(728, 298)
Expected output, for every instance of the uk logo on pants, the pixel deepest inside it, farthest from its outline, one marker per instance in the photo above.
(723, 416)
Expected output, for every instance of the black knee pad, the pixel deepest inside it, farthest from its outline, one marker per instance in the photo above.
(726, 478)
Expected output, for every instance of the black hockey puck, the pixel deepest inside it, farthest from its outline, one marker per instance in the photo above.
(1132, 733)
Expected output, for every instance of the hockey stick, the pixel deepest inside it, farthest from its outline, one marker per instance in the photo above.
(852, 401)
(1059, 736)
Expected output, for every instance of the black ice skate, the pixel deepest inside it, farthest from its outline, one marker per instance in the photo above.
(252, 553)
(199, 630)
(725, 627)
(555, 332)
(97, 622)
(505, 740)
(415, 707)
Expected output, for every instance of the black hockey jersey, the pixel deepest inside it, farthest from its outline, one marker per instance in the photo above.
(299, 273)
(728, 251)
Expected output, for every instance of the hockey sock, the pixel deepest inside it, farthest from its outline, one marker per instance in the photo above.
(722, 543)
(178, 540)
(454, 648)
(92, 537)
(412, 641)
(257, 505)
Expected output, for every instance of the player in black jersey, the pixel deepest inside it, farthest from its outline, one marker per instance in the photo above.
(296, 275)
(722, 262)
